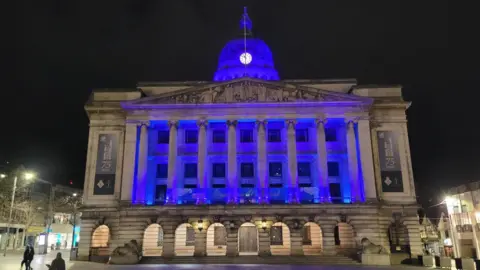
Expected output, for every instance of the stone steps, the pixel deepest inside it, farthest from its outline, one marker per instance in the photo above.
(292, 260)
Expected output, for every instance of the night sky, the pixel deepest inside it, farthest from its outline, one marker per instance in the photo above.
(64, 49)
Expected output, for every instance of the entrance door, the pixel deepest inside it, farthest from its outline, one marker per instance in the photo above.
(247, 237)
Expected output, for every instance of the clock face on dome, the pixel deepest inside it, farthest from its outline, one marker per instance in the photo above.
(245, 58)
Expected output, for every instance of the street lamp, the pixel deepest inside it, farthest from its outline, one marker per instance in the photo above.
(2, 176)
(74, 194)
(27, 176)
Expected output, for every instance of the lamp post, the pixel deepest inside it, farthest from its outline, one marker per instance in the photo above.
(27, 176)
(74, 224)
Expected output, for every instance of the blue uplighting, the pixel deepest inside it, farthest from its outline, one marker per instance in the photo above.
(261, 65)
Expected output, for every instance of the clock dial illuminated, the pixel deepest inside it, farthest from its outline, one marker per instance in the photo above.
(245, 58)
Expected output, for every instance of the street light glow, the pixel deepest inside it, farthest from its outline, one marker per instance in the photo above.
(29, 176)
(3, 176)
(74, 194)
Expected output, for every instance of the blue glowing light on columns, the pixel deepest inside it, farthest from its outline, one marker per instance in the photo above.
(233, 62)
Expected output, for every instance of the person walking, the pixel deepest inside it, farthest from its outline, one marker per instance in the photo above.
(58, 263)
(25, 256)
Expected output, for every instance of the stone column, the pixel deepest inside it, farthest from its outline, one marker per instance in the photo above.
(24, 234)
(232, 161)
(296, 238)
(232, 238)
(202, 159)
(328, 230)
(366, 159)
(130, 150)
(262, 162)
(142, 165)
(200, 243)
(322, 159)
(292, 160)
(353, 162)
(172, 163)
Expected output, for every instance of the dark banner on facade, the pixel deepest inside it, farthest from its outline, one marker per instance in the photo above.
(390, 166)
(106, 165)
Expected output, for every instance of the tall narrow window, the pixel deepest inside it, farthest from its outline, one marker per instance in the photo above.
(275, 169)
(274, 135)
(218, 170)
(218, 136)
(191, 136)
(303, 169)
(162, 170)
(190, 170)
(330, 134)
(276, 235)
(163, 136)
(301, 135)
(333, 168)
(246, 135)
(246, 170)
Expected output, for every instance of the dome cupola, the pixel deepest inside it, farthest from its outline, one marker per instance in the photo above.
(245, 56)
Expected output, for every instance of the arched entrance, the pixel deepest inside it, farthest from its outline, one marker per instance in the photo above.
(99, 245)
(100, 237)
(216, 240)
(184, 240)
(312, 239)
(280, 243)
(153, 241)
(398, 238)
(345, 238)
(248, 239)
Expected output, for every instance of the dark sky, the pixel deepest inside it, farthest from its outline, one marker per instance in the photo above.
(63, 49)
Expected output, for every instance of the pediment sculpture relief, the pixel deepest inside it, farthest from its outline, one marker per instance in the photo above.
(248, 92)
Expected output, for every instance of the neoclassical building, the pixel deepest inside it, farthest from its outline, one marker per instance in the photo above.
(248, 164)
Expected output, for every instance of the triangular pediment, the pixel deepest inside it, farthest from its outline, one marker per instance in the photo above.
(247, 90)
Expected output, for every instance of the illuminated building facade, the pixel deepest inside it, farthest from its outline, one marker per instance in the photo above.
(247, 164)
(463, 227)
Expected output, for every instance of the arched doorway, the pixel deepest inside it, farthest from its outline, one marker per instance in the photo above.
(153, 241)
(184, 240)
(99, 245)
(216, 240)
(398, 238)
(100, 237)
(280, 243)
(248, 239)
(312, 239)
(344, 238)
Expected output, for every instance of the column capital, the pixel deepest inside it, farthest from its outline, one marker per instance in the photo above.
(202, 123)
(232, 123)
(321, 121)
(173, 123)
(351, 121)
(144, 124)
(260, 122)
(292, 122)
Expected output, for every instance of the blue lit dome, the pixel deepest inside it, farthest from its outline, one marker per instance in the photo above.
(246, 56)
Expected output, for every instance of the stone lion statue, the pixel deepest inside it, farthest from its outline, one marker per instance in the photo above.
(370, 248)
(130, 253)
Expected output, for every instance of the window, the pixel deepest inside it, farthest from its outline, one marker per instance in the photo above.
(163, 136)
(301, 135)
(160, 193)
(336, 236)
(330, 134)
(190, 237)
(246, 170)
(246, 135)
(190, 170)
(276, 235)
(218, 170)
(162, 170)
(303, 169)
(447, 235)
(335, 192)
(191, 136)
(275, 169)
(274, 135)
(218, 136)
(333, 168)
(464, 208)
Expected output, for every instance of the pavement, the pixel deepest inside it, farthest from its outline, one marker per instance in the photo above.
(13, 259)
